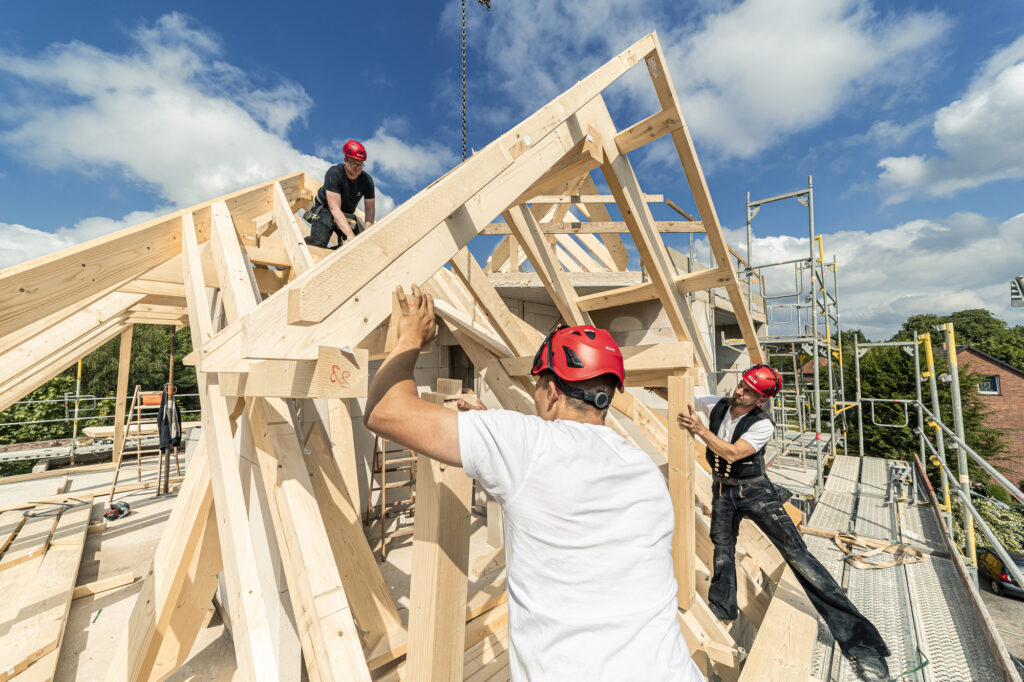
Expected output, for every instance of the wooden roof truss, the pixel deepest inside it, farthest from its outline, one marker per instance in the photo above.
(276, 323)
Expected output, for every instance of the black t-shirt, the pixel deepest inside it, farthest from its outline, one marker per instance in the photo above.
(351, 191)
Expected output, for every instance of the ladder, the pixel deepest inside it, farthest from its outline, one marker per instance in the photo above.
(142, 418)
(389, 460)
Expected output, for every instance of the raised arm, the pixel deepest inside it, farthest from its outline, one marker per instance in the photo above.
(394, 409)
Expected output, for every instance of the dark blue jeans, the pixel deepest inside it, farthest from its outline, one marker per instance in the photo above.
(759, 502)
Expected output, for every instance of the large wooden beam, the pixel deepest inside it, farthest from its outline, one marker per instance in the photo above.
(373, 608)
(123, 367)
(647, 130)
(440, 562)
(288, 228)
(657, 66)
(680, 487)
(173, 573)
(243, 555)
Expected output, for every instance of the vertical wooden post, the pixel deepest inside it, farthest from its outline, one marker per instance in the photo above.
(680, 486)
(124, 362)
(440, 560)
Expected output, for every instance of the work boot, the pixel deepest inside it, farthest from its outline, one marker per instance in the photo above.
(869, 666)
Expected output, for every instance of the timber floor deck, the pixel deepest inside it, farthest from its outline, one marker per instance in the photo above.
(921, 610)
(95, 623)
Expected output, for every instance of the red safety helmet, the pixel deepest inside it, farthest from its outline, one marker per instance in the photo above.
(577, 354)
(354, 150)
(763, 379)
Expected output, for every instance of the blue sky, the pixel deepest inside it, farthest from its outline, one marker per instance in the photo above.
(908, 115)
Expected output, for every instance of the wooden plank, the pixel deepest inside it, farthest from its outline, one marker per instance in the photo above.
(50, 473)
(591, 198)
(373, 608)
(334, 374)
(603, 227)
(647, 291)
(438, 588)
(103, 585)
(169, 573)
(584, 157)
(45, 600)
(288, 229)
(53, 365)
(238, 287)
(330, 641)
(648, 130)
(657, 66)
(11, 522)
(784, 643)
(32, 539)
(586, 261)
(251, 633)
(622, 181)
(124, 359)
(680, 487)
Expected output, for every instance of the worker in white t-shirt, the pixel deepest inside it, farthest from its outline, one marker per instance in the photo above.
(587, 517)
(736, 434)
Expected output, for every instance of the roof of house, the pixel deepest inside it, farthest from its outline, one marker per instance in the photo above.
(1005, 365)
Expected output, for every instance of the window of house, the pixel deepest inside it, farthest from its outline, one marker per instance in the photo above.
(989, 385)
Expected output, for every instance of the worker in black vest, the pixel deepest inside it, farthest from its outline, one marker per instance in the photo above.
(736, 435)
(334, 209)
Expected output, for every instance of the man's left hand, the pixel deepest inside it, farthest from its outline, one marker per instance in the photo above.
(690, 421)
(417, 326)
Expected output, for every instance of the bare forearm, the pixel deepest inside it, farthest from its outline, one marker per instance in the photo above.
(391, 386)
(370, 215)
(730, 452)
(342, 222)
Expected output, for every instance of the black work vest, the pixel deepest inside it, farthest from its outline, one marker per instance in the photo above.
(747, 467)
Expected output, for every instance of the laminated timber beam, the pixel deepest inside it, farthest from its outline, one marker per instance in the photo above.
(599, 212)
(344, 295)
(637, 293)
(590, 198)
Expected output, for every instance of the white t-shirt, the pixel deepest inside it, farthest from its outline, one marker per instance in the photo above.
(757, 435)
(588, 549)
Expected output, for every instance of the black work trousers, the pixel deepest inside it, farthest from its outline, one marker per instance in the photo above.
(759, 502)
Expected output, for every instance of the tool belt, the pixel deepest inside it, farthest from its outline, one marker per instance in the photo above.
(730, 480)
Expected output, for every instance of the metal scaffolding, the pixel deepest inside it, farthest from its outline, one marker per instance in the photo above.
(803, 341)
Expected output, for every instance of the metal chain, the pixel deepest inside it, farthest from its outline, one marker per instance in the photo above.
(463, 80)
(487, 4)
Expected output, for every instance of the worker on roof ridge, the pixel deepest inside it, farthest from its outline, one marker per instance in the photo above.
(588, 519)
(737, 433)
(333, 211)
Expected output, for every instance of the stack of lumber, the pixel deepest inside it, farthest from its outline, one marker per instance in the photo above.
(40, 552)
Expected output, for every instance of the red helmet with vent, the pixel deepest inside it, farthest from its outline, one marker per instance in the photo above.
(763, 379)
(354, 150)
(581, 353)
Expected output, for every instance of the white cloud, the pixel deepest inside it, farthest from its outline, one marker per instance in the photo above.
(411, 164)
(19, 243)
(981, 135)
(170, 115)
(921, 266)
(746, 75)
